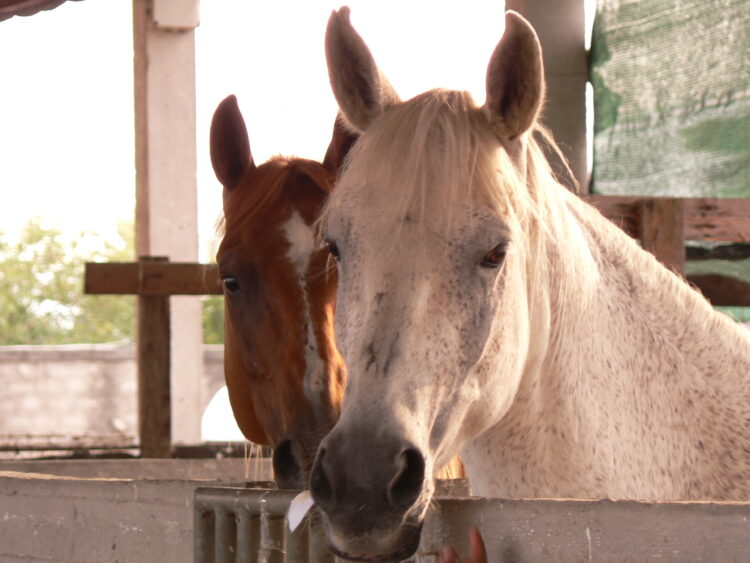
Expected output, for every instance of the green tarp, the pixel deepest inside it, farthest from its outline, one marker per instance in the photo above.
(672, 97)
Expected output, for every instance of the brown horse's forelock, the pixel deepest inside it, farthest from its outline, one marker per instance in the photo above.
(260, 190)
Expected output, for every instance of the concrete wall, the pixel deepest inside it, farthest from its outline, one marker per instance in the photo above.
(123, 510)
(81, 389)
(142, 510)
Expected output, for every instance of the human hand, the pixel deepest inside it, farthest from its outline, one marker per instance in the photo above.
(477, 551)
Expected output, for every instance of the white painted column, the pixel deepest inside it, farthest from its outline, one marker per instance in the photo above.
(166, 191)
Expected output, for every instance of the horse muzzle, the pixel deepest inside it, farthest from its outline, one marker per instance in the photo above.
(373, 495)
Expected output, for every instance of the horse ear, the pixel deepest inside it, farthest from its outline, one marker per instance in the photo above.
(341, 141)
(515, 78)
(230, 146)
(361, 90)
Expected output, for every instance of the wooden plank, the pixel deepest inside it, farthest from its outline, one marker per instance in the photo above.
(707, 219)
(722, 290)
(715, 219)
(179, 278)
(151, 278)
(735, 251)
(662, 231)
(118, 278)
(153, 356)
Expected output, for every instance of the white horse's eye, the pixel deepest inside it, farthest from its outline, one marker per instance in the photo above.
(334, 250)
(495, 257)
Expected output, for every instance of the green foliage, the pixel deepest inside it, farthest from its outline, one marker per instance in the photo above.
(41, 288)
(213, 319)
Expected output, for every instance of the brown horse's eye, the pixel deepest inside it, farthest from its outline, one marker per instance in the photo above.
(334, 250)
(495, 257)
(231, 284)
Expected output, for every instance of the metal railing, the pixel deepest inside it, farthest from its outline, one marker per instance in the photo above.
(249, 525)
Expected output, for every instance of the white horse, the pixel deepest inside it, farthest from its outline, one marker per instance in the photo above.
(486, 309)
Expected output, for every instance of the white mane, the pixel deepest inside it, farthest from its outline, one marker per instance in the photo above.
(442, 137)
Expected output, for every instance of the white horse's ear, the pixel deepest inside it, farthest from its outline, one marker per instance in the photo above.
(358, 85)
(515, 78)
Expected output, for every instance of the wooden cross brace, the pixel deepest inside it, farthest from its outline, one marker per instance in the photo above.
(153, 280)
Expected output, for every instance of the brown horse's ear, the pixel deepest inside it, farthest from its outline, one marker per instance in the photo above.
(341, 141)
(230, 146)
(515, 79)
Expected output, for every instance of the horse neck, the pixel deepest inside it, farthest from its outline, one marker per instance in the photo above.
(626, 298)
(619, 344)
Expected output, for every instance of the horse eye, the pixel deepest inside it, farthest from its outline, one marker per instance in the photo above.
(231, 284)
(495, 257)
(334, 250)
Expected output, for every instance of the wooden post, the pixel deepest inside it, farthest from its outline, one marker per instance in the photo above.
(662, 231)
(166, 189)
(154, 280)
(154, 397)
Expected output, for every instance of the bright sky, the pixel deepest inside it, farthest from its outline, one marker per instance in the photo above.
(66, 117)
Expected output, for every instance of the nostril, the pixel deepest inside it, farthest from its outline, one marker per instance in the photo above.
(286, 468)
(406, 486)
(320, 484)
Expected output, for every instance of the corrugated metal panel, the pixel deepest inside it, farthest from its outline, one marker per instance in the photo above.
(10, 8)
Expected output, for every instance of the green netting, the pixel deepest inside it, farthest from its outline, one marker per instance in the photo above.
(672, 97)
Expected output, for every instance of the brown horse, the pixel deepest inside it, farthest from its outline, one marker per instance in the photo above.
(283, 371)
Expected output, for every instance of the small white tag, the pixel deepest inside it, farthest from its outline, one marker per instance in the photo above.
(298, 508)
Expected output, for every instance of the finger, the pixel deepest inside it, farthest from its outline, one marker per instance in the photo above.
(477, 551)
(448, 555)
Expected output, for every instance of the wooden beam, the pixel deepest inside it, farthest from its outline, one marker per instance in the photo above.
(662, 231)
(722, 290)
(166, 187)
(736, 251)
(706, 219)
(153, 353)
(151, 278)
(154, 280)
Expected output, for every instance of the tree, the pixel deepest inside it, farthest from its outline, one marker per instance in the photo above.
(213, 319)
(41, 288)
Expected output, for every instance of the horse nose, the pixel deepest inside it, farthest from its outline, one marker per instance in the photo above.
(342, 476)
(406, 485)
(287, 468)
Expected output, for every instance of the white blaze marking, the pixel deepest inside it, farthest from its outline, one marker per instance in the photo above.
(301, 243)
(301, 240)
